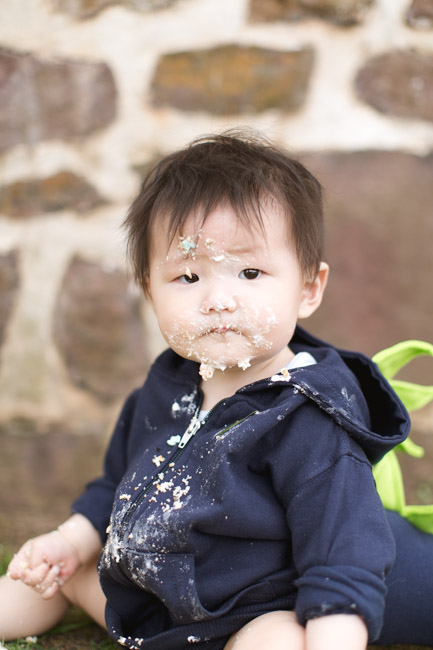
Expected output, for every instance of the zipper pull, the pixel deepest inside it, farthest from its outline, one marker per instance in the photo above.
(192, 429)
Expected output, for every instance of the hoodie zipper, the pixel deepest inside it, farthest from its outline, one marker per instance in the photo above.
(191, 430)
(194, 426)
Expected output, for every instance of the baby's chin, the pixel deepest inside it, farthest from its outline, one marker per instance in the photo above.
(217, 355)
(208, 367)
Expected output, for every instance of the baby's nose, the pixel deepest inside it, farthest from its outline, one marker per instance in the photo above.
(218, 302)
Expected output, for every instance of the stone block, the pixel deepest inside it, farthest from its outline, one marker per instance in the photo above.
(89, 8)
(398, 83)
(9, 286)
(42, 470)
(340, 12)
(379, 246)
(84, 8)
(99, 331)
(420, 14)
(62, 191)
(48, 100)
(233, 79)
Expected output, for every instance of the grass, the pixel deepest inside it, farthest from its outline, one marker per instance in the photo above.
(5, 557)
(76, 632)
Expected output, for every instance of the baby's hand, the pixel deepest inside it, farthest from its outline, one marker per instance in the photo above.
(45, 563)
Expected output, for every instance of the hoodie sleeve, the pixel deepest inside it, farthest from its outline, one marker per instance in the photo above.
(97, 500)
(342, 546)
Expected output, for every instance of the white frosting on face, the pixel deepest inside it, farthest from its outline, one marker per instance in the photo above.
(221, 342)
(244, 363)
(187, 244)
(227, 296)
(206, 371)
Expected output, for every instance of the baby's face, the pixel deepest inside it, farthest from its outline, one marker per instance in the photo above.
(227, 296)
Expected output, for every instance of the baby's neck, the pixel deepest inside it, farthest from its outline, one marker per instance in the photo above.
(213, 395)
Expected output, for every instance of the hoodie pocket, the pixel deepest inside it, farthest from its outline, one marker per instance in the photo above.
(171, 578)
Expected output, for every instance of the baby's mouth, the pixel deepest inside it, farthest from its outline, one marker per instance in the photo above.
(222, 329)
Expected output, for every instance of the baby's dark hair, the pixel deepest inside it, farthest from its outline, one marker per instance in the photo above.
(239, 170)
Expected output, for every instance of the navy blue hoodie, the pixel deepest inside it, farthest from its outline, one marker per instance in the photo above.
(268, 504)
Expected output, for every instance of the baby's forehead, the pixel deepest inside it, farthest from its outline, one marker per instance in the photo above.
(223, 228)
(218, 245)
(216, 249)
(222, 235)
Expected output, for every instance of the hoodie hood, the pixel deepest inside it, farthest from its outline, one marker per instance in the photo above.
(362, 400)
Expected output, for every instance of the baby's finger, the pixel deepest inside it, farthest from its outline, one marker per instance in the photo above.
(35, 576)
(19, 563)
(50, 591)
(49, 585)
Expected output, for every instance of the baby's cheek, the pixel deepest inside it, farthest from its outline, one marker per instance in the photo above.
(181, 334)
(178, 335)
(260, 341)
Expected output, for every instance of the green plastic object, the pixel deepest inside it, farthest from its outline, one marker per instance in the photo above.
(387, 472)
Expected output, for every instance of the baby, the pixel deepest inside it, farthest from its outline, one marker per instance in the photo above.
(237, 508)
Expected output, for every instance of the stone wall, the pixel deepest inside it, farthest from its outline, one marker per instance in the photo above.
(91, 91)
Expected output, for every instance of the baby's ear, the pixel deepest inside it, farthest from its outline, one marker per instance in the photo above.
(312, 292)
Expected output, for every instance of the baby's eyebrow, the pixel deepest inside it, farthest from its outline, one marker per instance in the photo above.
(240, 250)
(174, 262)
(239, 255)
(257, 252)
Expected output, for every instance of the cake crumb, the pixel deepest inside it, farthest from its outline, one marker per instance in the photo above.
(186, 244)
(206, 371)
(283, 375)
(244, 364)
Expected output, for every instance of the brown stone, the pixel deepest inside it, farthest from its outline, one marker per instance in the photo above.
(99, 332)
(90, 8)
(84, 8)
(46, 100)
(233, 79)
(9, 285)
(149, 5)
(42, 470)
(399, 83)
(379, 246)
(420, 14)
(340, 12)
(63, 191)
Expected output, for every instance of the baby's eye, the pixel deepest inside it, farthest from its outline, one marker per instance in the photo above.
(250, 274)
(188, 278)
